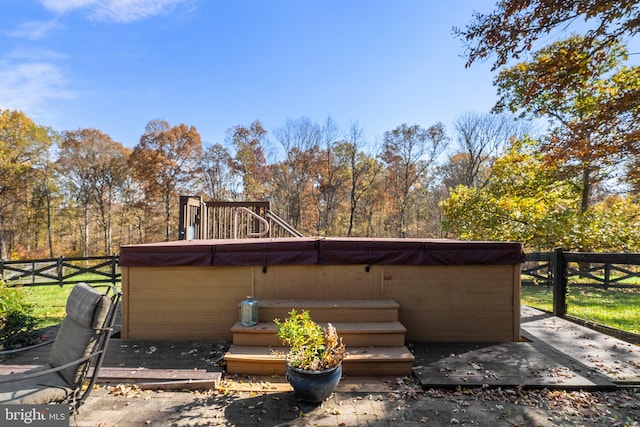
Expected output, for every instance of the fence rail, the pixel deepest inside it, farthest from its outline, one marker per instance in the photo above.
(583, 268)
(59, 271)
(590, 278)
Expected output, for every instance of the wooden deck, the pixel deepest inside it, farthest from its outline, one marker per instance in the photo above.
(555, 354)
(148, 364)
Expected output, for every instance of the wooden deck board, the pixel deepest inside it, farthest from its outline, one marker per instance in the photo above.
(503, 365)
(558, 354)
(353, 353)
(331, 310)
(170, 365)
(341, 327)
(369, 361)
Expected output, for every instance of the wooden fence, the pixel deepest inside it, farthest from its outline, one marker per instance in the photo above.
(559, 270)
(582, 268)
(59, 271)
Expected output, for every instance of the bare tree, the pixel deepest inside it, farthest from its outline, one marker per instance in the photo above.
(409, 152)
(362, 170)
(328, 178)
(217, 175)
(299, 139)
(480, 139)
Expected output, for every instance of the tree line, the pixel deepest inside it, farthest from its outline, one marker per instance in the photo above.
(556, 163)
(81, 193)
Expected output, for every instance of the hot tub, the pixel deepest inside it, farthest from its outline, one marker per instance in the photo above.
(447, 290)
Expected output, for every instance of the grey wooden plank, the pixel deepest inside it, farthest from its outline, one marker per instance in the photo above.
(615, 358)
(505, 364)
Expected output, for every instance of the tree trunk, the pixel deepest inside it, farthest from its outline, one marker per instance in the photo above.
(167, 218)
(3, 245)
(352, 214)
(586, 190)
(49, 233)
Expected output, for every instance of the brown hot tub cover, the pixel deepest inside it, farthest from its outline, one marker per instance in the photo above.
(326, 251)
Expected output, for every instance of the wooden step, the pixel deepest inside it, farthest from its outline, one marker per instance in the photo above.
(359, 361)
(369, 310)
(356, 334)
(166, 379)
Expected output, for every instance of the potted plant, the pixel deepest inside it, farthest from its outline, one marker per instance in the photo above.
(314, 361)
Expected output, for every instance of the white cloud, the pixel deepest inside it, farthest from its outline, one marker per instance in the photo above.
(64, 6)
(115, 10)
(34, 54)
(134, 10)
(33, 30)
(32, 87)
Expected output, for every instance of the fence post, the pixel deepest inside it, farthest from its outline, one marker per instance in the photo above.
(114, 261)
(60, 271)
(607, 275)
(559, 266)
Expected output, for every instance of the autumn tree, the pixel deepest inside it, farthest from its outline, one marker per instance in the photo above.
(112, 175)
(593, 115)
(299, 138)
(524, 201)
(94, 170)
(328, 179)
(165, 162)
(33, 214)
(218, 174)
(249, 160)
(480, 137)
(363, 171)
(408, 152)
(24, 148)
(514, 27)
(134, 214)
(75, 162)
(47, 194)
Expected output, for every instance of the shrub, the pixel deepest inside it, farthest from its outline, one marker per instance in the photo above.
(311, 347)
(18, 327)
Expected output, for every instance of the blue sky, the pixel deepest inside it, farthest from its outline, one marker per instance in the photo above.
(115, 65)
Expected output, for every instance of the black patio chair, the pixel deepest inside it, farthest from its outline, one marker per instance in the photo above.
(78, 349)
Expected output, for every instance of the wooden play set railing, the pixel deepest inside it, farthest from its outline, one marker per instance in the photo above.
(201, 219)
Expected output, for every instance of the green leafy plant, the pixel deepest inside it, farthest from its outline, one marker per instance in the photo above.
(311, 347)
(18, 327)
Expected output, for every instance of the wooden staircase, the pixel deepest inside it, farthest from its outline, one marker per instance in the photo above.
(369, 328)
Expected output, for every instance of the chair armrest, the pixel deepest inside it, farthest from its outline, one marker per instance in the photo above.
(19, 377)
(31, 347)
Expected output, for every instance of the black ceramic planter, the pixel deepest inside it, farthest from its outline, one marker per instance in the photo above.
(314, 386)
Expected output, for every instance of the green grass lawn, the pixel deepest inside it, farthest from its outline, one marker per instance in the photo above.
(617, 308)
(613, 307)
(48, 302)
(540, 297)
